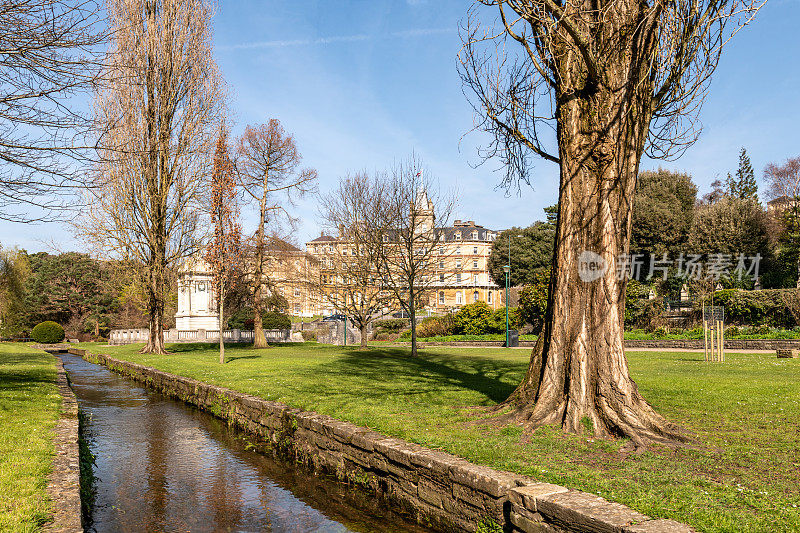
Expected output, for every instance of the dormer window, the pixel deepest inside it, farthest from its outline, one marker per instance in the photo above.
(474, 235)
(457, 235)
(385, 238)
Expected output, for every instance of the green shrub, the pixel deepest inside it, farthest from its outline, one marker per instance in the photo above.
(769, 307)
(436, 326)
(276, 320)
(391, 325)
(497, 324)
(241, 319)
(308, 336)
(48, 332)
(473, 319)
(640, 310)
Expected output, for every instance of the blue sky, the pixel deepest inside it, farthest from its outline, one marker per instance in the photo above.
(362, 84)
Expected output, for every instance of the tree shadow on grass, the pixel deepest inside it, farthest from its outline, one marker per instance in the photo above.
(14, 377)
(232, 358)
(427, 373)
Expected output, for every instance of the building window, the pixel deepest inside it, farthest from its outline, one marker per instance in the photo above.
(474, 235)
(457, 235)
(475, 264)
(297, 292)
(476, 296)
(458, 250)
(489, 297)
(458, 277)
(477, 279)
(474, 250)
(441, 297)
(441, 265)
(458, 298)
(441, 250)
(441, 278)
(458, 263)
(385, 238)
(297, 308)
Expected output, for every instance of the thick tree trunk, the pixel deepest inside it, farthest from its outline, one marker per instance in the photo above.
(578, 375)
(155, 305)
(259, 340)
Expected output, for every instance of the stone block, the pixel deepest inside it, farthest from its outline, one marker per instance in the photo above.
(787, 354)
(395, 450)
(430, 492)
(470, 496)
(531, 523)
(343, 431)
(357, 455)
(526, 496)
(587, 512)
(482, 478)
(366, 440)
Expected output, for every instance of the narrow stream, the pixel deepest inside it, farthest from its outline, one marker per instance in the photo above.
(162, 465)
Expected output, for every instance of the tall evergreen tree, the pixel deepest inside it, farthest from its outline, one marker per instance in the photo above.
(744, 185)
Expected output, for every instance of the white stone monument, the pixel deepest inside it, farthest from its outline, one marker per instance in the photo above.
(196, 303)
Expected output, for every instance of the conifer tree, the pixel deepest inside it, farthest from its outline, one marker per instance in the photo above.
(747, 188)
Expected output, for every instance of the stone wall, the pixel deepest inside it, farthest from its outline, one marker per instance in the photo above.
(438, 490)
(663, 344)
(63, 484)
(730, 344)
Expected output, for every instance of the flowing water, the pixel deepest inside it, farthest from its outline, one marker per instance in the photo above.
(162, 465)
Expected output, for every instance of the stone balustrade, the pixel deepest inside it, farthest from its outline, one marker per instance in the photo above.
(130, 336)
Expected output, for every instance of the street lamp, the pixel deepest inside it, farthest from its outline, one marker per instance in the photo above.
(507, 270)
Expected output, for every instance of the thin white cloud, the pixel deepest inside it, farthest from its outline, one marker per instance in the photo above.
(339, 39)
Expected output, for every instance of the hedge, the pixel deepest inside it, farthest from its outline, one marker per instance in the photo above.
(391, 325)
(48, 332)
(779, 308)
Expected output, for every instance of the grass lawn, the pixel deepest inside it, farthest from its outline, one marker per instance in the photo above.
(745, 413)
(29, 408)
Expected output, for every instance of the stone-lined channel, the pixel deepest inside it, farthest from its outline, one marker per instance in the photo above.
(162, 465)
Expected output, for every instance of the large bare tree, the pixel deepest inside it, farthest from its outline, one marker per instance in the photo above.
(353, 213)
(268, 167)
(49, 59)
(159, 114)
(416, 215)
(591, 85)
